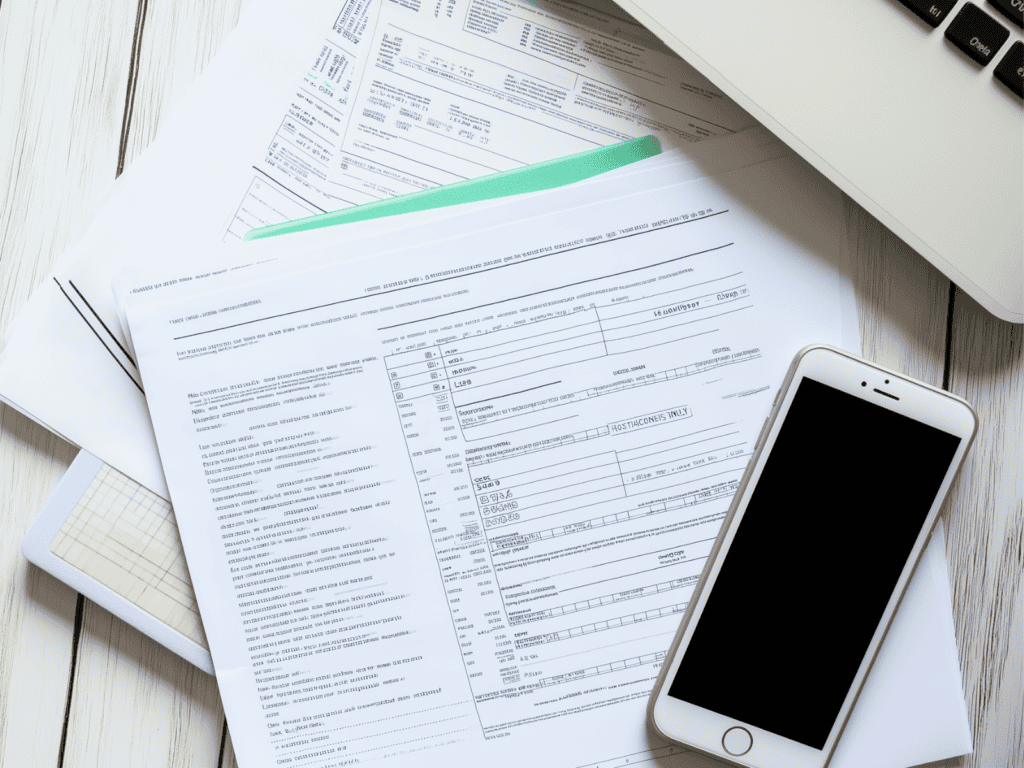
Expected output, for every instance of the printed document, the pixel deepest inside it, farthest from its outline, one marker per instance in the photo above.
(449, 506)
(320, 105)
(401, 97)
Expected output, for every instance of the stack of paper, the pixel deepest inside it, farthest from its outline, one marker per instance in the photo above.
(318, 106)
(453, 499)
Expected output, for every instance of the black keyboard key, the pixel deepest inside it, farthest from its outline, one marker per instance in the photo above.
(1011, 9)
(1010, 71)
(977, 34)
(932, 11)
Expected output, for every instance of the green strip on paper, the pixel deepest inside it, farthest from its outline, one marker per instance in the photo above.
(532, 178)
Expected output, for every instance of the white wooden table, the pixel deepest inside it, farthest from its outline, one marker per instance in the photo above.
(83, 87)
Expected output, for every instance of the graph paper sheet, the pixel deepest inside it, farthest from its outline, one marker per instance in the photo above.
(117, 543)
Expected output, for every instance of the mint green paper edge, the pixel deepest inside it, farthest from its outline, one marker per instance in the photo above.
(532, 178)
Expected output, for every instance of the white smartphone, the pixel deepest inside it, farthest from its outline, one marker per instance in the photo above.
(828, 523)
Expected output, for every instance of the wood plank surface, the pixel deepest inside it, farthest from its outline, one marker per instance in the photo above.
(985, 533)
(228, 760)
(134, 702)
(178, 41)
(903, 306)
(37, 612)
(64, 73)
(901, 299)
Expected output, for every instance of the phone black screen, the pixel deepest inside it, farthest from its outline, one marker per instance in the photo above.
(828, 529)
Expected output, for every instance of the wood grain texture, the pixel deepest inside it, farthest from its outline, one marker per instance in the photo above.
(901, 299)
(903, 305)
(179, 39)
(228, 760)
(134, 702)
(64, 73)
(37, 612)
(985, 534)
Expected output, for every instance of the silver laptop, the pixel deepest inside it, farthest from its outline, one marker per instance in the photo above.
(912, 107)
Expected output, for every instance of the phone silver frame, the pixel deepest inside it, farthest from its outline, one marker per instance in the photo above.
(793, 754)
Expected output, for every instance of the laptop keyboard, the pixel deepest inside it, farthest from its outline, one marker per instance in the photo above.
(980, 36)
(933, 13)
(977, 34)
(1011, 9)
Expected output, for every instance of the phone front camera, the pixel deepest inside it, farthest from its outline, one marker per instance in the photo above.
(863, 383)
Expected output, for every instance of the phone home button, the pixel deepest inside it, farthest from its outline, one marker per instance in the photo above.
(737, 741)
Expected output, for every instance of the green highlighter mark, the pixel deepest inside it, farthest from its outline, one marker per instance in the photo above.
(532, 178)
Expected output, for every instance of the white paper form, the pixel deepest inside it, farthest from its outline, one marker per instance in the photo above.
(461, 497)
(683, 108)
(365, 239)
(67, 364)
(406, 96)
(106, 396)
